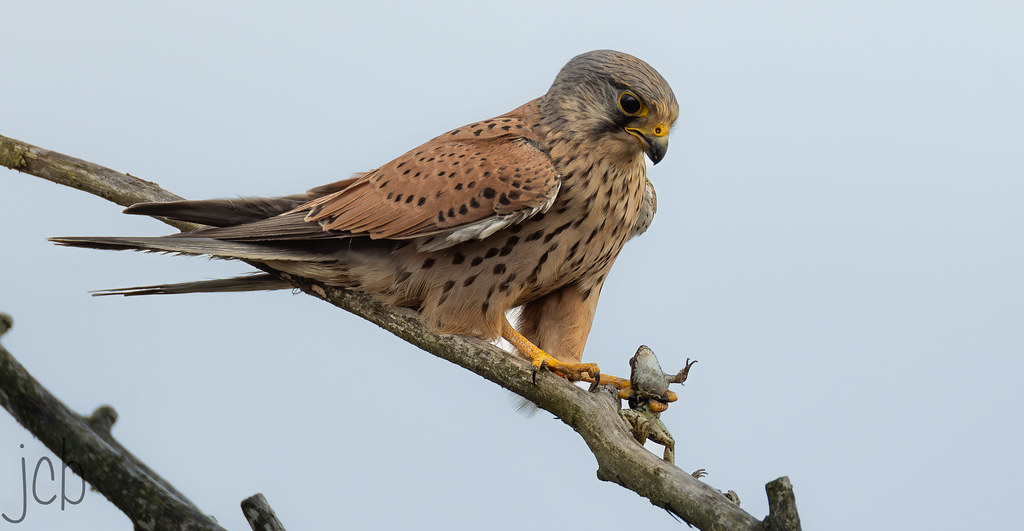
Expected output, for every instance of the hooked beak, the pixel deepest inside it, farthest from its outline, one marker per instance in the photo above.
(654, 140)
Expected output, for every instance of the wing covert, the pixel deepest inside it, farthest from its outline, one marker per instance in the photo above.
(464, 184)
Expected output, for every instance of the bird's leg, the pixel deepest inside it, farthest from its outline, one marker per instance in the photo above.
(586, 372)
(589, 372)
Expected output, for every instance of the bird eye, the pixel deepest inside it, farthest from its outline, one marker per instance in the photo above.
(629, 104)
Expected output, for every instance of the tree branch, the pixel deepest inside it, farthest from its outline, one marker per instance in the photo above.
(116, 187)
(86, 446)
(593, 415)
(259, 514)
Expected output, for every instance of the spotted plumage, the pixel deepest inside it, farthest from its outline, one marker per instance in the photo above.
(528, 209)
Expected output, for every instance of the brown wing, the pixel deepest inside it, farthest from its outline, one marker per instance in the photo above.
(232, 212)
(466, 184)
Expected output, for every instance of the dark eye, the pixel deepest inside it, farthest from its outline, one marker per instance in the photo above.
(629, 104)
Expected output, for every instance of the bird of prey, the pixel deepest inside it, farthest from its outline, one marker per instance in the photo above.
(528, 209)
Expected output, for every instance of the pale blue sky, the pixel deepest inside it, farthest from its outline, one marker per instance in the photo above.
(838, 243)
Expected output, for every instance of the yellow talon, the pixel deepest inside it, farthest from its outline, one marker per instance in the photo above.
(587, 372)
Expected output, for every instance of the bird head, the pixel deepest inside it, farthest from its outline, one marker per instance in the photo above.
(616, 100)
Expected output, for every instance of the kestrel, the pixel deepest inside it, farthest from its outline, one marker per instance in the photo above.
(528, 209)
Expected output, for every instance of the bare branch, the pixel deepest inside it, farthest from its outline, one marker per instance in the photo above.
(259, 514)
(137, 491)
(782, 513)
(593, 415)
(114, 186)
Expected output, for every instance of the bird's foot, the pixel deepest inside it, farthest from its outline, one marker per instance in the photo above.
(582, 372)
(622, 384)
(574, 372)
